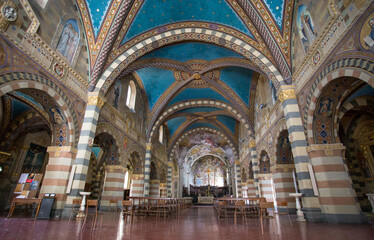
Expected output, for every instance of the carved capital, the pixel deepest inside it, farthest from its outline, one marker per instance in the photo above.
(252, 144)
(96, 99)
(148, 146)
(288, 93)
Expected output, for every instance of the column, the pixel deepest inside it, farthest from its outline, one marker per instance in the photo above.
(137, 185)
(169, 175)
(86, 138)
(284, 185)
(298, 142)
(251, 189)
(238, 180)
(255, 166)
(163, 190)
(57, 175)
(336, 195)
(147, 168)
(113, 185)
(154, 188)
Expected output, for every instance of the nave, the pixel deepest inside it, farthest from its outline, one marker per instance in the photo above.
(192, 223)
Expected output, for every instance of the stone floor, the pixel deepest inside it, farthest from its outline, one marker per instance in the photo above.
(194, 223)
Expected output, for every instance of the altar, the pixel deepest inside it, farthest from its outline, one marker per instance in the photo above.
(205, 200)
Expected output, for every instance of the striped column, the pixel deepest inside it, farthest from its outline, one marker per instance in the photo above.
(336, 195)
(163, 190)
(244, 190)
(86, 138)
(284, 185)
(238, 180)
(169, 182)
(137, 185)
(251, 190)
(311, 207)
(96, 186)
(255, 166)
(113, 186)
(147, 168)
(265, 187)
(57, 174)
(154, 188)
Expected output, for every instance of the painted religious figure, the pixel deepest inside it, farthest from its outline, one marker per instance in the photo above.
(56, 115)
(117, 93)
(305, 25)
(325, 107)
(367, 33)
(69, 40)
(9, 13)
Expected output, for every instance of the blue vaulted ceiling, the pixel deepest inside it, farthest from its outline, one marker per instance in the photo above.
(197, 93)
(18, 108)
(276, 9)
(98, 10)
(174, 124)
(155, 82)
(156, 13)
(201, 124)
(199, 109)
(229, 122)
(191, 50)
(239, 79)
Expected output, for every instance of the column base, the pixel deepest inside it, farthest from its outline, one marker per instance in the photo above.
(313, 215)
(344, 218)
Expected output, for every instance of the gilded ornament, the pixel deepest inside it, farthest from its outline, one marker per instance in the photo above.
(148, 147)
(252, 144)
(196, 76)
(287, 94)
(96, 100)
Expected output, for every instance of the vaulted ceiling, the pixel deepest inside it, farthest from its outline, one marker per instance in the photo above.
(196, 61)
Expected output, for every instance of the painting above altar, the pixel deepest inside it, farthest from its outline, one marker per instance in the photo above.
(209, 170)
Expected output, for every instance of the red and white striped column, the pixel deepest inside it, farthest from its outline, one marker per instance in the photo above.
(154, 188)
(137, 185)
(251, 188)
(57, 174)
(265, 187)
(114, 184)
(284, 184)
(336, 195)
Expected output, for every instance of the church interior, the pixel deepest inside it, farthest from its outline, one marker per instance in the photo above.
(188, 111)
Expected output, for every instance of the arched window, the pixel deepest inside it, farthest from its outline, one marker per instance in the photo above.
(131, 95)
(161, 134)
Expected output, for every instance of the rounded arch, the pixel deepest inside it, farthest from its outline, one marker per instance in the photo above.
(210, 154)
(109, 129)
(322, 80)
(191, 34)
(132, 149)
(197, 103)
(264, 162)
(200, 129)
(131, 95)
(52, 90)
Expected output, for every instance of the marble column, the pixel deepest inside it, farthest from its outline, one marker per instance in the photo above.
(169, 175)
(113, 185)
(238, 180)
(255, 166)
(147, 169)
(284, 185)
(311, 206)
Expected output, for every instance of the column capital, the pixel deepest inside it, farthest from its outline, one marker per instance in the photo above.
(237, 162)
(252, 144)
(286, 92)
(95, 98)
(148, 146)
(115, 168)
(328, 149)
(66, 151)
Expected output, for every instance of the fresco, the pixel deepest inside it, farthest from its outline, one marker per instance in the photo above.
(284, 153)
(305, 25)
(69, 40)
(264, 162)
(211, 166)
(367, 33)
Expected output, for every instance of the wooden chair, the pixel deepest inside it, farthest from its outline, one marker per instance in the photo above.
(76, 203)
(127, 209)
(284, 204)
(115, 202)
(240, 209)
(92, 203)
(222, 207)
(265, 214)
(161, 207)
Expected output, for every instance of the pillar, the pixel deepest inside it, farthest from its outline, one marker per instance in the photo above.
(86, 138)
(169, 175)
(147, 168)
(137, 185)
(57, 175)
(265, 188)
(163, 190)
(113, 185)
(284, 185)
(255, 166)
(251, 189)
(154, 188)
(311, 207)
(238, 180)
(336, 195)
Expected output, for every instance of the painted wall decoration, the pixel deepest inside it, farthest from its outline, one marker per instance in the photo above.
(250, 171)
(137, 165)
(42, 3)
(34, 159)
(305, 24)
(117, 93)
(367, 33)
(58, 118)
(209, 170)
(69, 40)
(284, 153)
(264, 162)
(153, 173)
(244, 176)
(2, 56)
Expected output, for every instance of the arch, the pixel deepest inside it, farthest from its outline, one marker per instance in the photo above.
(131, 95)
(161, 133)
(132, 149)
(331, 73)
(361, 101)
(264, 162)
(197, 103)
(104, 127)
(283, 149)
(190, 33)
(52, 91)
(195, 130)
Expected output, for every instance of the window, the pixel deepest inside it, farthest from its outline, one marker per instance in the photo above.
(131, 95)
(161, 134)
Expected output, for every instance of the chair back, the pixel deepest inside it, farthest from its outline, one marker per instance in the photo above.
(77, 201)
(126, 203)
(282, 203)
(222, 203)
(240, 203)
(266, 205)
(161, 202)
(92, 203)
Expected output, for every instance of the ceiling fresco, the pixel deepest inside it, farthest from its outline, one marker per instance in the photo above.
(238, 40)
(156, 13)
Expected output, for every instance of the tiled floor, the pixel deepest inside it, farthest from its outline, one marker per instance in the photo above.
(193, 224)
